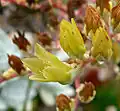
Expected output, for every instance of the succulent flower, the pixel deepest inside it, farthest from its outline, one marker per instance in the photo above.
(92, 19)
(71, 39)
(102, 44)
(47, 67)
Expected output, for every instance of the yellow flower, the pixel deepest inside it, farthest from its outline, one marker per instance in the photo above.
(47, 67)
(71, 39)
(102, 44)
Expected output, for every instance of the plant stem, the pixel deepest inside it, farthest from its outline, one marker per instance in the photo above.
(27, 95)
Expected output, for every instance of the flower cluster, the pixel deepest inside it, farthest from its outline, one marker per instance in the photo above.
(91, 44)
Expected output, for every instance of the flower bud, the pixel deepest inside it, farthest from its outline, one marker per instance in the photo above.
(92, 19)
(116, 16)
(21, 41)
(15, 63)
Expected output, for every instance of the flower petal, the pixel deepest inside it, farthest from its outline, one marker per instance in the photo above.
(71, 39)
(47, 56)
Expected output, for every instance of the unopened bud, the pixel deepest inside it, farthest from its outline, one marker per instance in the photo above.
(15, 63)
(116, 15)
(92, 19)
(21, 41)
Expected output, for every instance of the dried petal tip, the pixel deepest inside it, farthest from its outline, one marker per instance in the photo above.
(92, 19)
(86, 92)
(15, 63)
(116, 15)
(63, 102)
(21, 41)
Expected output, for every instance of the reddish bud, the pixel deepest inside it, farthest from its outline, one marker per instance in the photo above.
(116, 15)
(21, 41)
(15, 63)
(92, 19)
